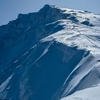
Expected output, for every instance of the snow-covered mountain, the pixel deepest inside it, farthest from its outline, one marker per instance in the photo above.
(52, 54)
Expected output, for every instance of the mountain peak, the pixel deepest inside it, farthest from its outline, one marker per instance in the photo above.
(50, 54)
(46, 8)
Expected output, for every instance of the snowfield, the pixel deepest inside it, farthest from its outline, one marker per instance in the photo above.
(52, 54)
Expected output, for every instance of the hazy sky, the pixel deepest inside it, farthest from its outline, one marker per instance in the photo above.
(9, 9)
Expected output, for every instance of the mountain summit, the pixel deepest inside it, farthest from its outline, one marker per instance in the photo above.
(52, 54)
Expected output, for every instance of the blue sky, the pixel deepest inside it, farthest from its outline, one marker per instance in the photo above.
(9, 9)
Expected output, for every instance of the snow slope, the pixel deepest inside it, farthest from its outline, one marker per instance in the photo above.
(52, 54)
(92, 93)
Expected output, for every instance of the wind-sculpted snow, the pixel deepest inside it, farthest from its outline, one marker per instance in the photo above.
(52, 54)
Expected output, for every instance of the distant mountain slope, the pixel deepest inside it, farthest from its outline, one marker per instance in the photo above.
(52, 54)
